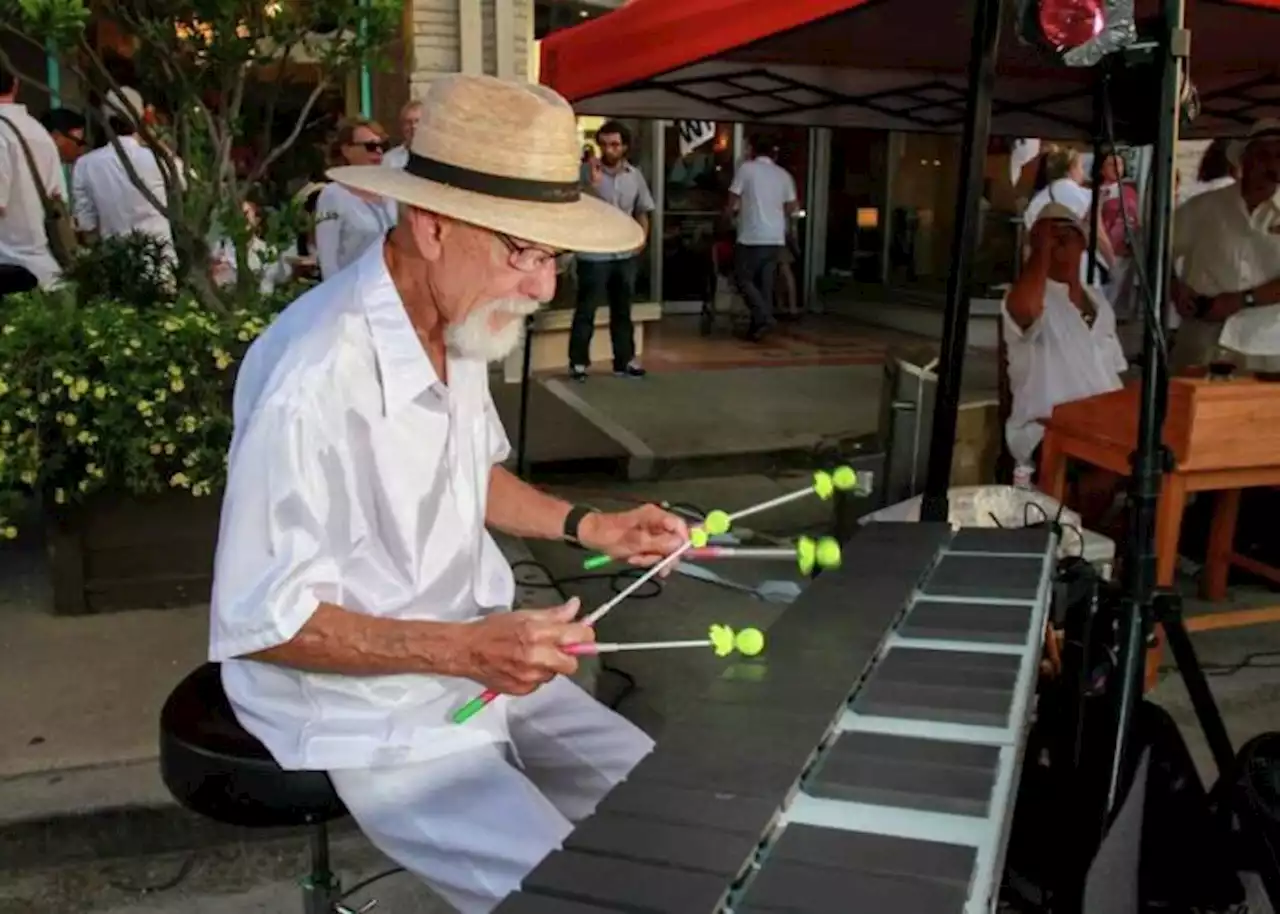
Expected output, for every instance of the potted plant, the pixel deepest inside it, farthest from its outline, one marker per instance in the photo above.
(115, 418)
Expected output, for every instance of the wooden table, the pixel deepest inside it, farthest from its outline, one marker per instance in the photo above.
(1224, 436)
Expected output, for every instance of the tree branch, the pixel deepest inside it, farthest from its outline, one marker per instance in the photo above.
(303, 116)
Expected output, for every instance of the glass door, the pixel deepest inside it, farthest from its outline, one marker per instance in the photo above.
(696, 186)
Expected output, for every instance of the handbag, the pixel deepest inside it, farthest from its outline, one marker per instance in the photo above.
(59, 227)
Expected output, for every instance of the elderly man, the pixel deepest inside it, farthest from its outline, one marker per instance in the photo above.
(358, 599)
(1060, 332)
(1227, 244)
(410, 114)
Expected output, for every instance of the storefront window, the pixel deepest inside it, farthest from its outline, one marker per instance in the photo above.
(923, 214)
(856, 220)
(697, 191)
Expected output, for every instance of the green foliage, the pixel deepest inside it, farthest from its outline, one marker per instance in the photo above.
(134, 268)
(100, 395)
(202, 63)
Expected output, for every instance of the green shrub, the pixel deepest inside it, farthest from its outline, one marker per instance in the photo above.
(100, 394)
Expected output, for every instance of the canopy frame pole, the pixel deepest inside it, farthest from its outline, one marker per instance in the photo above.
(983, 51)
(1150, 457)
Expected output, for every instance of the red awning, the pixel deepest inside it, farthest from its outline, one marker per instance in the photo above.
(885, 64)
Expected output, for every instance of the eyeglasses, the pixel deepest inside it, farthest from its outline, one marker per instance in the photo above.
(373, 145)
(525, 257)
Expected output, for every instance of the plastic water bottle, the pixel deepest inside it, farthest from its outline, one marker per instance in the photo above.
(1022, 476)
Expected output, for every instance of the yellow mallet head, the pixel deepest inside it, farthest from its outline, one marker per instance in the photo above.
(698, 537)
(844, 479)
(823, 486)
(721, 637)
(827, 553)
(717, 523)
(806, 555)
(750, 642)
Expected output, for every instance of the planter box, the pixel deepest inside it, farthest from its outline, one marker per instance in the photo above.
(122, 552)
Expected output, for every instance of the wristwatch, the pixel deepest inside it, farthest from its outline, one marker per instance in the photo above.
(573, 522)
(1248, 298)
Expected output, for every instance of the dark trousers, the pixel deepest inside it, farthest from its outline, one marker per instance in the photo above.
(755, 267)
(14, 279)
(601, 281)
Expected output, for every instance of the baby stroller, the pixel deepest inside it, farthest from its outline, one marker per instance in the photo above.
(722, 296)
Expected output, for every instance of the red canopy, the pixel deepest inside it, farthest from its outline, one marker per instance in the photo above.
(886, 64)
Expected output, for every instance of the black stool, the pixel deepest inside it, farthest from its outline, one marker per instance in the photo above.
(213, 767)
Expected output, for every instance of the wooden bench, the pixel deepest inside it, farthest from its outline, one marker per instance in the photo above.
(551, 339)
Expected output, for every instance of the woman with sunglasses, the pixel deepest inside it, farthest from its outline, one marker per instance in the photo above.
(349, 221)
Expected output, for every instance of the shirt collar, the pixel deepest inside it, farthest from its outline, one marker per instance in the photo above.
(404, 370)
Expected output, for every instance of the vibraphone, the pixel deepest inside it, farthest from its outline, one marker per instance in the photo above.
(867, 762)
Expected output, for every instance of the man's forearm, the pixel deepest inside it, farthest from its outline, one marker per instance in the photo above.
(517, 508)
(345, 643)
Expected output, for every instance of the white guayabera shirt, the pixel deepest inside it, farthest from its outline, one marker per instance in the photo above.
(356, 477)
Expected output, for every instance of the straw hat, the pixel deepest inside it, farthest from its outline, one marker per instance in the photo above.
(1265, 127)
(504, 156)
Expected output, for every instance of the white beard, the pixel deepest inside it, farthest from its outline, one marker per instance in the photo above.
(477, 338)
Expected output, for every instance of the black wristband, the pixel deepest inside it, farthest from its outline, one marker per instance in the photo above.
(573, 522)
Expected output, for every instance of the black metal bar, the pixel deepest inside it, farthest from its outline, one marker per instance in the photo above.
(1095, 204)
(983, 51)
(1148, 461)
(522, 437)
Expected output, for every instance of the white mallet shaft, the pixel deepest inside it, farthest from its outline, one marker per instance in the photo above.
(638, 583)
(609, 648)
(739, 552)
(771, 504)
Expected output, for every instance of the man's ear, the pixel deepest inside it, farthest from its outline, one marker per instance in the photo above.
(428, 231)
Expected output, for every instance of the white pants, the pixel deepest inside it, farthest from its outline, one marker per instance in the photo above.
(473, 824)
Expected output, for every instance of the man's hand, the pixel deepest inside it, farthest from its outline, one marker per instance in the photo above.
(1184, 299)
(642, 536)
(1225, 305)
(515, 652)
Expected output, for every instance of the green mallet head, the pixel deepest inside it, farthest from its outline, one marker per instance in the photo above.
(749, 642)
(828, 553)
(806, 555)
(698, 537)
(717, 523)
(823, 485)
(813, 554)
(844, 479)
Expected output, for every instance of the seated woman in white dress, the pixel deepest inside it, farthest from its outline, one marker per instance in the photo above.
(349, 221)
(1060, 335)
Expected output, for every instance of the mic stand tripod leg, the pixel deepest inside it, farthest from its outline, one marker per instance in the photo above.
(1227, 792)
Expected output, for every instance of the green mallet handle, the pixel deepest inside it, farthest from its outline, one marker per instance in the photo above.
(591, 563)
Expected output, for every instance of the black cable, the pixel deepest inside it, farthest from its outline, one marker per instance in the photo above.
(365, 883)
(1055, 521)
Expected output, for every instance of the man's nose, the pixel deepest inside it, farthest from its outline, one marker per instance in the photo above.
(540, 285)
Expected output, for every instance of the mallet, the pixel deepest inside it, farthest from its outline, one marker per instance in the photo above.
(808, 554)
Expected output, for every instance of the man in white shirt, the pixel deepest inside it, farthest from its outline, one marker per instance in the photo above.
(25, 258)
(1060, 333)
(358, 599)
(410, 114)
(763, 197)
(1227, 245)
(107, 201)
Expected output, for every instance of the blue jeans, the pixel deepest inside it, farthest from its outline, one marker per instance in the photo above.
(601, 281)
